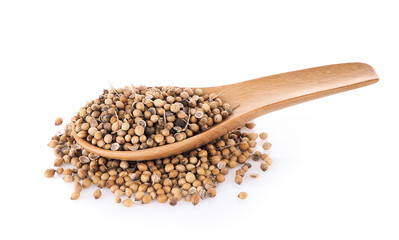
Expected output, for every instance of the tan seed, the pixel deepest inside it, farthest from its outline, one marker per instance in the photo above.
(264, 166)
(195, 199)
(190, 177)
(77, 187)
(242, 195)
(266, 145)
(252, 136)
(250, 125)
(49, 173)
(75, 195)
(146, 199)
(211, 192)
(238, 179)
(172, 201)
(263, 135)
(128, 202)
(97, 194)
(58, 121)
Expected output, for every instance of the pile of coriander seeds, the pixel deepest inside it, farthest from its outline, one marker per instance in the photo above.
(110, 122)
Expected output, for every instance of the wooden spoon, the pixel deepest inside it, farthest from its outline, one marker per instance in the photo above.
(255, 98)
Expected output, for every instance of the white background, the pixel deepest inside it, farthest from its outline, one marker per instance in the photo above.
(335, 172)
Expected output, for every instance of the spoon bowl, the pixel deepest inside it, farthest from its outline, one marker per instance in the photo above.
(255, 98)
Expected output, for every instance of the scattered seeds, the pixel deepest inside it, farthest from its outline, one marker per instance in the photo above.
(133, 118)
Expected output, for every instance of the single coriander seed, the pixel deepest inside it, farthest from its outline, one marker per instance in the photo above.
(128, 202)
(266, 146)
(263, 135)
(58, 121)
(242, 195)
(75, 195)
(97, 194)
(49, 173)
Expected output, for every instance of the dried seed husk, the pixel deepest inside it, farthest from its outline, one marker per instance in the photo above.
(254, 175)
(84, 159)
(115, 146)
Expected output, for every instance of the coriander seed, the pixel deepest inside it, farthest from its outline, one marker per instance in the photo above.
(58, 121)
(97, 194)
(75, 195)
(263, 135)
(242, 195)
(264, 166)
(128, 202)
(266, 146)
(250, 125)
(49, 173)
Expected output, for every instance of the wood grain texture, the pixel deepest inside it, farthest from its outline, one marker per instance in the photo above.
(255, 98)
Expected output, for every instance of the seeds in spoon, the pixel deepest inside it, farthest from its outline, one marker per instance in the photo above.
(147, 117)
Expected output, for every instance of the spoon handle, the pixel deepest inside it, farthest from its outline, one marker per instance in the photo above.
(263, 95)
